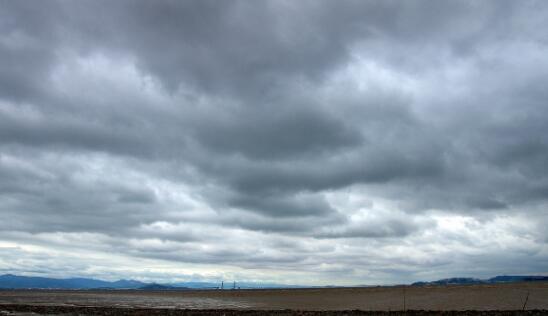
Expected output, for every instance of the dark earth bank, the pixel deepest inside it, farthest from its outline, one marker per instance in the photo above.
(16, 310)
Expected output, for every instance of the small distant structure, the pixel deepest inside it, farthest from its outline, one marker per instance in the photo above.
(234, 287)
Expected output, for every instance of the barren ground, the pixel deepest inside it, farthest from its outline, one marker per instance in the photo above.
(438, 298)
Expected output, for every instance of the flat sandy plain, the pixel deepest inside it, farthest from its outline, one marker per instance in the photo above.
(503, 297)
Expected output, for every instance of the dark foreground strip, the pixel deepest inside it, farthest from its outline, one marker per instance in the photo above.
(7, 309)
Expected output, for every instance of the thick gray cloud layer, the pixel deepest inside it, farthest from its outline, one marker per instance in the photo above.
(310, 141)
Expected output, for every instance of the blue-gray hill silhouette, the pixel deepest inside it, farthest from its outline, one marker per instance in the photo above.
(10, 281)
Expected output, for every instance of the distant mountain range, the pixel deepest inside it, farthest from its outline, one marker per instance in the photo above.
(497, 279)
(160, 287)
(10, 281)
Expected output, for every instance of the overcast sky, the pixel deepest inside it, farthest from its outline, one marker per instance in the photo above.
(309, 142)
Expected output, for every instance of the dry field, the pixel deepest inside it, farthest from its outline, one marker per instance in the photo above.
(502, 297)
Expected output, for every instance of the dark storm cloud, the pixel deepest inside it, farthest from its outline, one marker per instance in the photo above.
(234, 47)
(64, 130)
(330, 122)
(258, 135)
(27, 49)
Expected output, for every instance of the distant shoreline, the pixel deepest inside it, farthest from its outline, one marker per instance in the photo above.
(11, 281)
(303, 288)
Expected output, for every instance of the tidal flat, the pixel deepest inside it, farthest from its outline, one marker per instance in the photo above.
(497, 299)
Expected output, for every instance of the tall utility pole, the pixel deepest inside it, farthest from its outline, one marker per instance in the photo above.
(234, 286)
(222, 284)
(404, 307)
